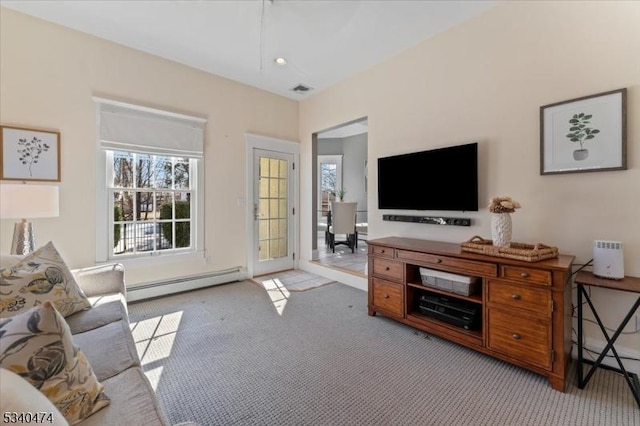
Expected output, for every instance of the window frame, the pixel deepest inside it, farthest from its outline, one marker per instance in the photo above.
(112, 189)
(105, 217)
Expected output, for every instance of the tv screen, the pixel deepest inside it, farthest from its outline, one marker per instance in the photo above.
(438, 179)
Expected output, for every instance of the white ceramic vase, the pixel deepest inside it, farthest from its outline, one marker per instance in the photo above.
(501, 229)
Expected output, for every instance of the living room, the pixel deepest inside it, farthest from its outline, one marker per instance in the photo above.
(483, 81)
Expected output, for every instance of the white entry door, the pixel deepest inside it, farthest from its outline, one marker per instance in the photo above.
(273, 211)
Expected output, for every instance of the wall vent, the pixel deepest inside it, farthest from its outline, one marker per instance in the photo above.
(301, 88)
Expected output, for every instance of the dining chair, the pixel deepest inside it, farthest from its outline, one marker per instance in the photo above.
(343, 221)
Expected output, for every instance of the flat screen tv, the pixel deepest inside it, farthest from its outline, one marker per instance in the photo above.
(438, 179)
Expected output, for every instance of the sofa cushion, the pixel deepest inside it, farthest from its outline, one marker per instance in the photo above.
(101, 279)
(20, 398)
(37, 345)
(133, 402)
(39, 277)
(105, 310)
(110, 349)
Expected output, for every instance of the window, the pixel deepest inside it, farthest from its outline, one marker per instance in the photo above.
(149, 199)
(152, 198)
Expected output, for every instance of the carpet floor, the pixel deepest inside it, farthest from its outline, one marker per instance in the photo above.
(227, 355)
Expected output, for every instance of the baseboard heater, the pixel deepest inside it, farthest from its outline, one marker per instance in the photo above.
(178, 285)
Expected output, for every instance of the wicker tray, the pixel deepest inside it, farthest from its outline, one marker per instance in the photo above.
(517, 251)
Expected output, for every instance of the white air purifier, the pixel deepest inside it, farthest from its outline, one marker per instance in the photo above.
(608, 259)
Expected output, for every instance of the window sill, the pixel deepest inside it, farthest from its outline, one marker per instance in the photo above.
(157, 259)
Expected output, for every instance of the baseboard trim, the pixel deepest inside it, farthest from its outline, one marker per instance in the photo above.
(599, 345)
(178, 285)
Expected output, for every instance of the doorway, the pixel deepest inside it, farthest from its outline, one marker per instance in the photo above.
(272, 201)
(340, 160)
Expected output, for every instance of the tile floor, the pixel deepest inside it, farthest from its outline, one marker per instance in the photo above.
(292, 280)
(343, 259)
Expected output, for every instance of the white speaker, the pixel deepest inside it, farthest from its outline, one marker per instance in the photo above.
(608, 259)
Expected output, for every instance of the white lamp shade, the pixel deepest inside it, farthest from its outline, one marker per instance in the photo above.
(28, 201)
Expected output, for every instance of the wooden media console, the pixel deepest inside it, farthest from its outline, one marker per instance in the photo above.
(524, 307)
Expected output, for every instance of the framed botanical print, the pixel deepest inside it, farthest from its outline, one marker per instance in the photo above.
(587, 134)
(29, 154)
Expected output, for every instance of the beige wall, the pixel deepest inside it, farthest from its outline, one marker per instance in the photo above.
(48, 75)
(485, 81)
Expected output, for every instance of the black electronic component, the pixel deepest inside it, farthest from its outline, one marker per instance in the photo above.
(457, 312)
(433, 220)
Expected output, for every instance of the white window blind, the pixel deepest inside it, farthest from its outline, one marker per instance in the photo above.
(134, 128)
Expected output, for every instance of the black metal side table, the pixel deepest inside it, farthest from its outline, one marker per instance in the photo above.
(630, 284)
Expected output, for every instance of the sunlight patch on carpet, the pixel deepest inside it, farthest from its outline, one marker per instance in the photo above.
(277, 293)
(154, 339)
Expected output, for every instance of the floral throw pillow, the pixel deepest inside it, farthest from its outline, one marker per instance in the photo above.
(39, 277)
(37, 345)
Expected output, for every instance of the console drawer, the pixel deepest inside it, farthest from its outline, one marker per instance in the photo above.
(450, 263)
(534, 299)
(387, 268)
(388, 297)
(381, 251)
(525, 275)
(526, 339)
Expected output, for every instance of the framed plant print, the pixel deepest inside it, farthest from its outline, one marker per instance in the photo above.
(587, 134)
(29, 154)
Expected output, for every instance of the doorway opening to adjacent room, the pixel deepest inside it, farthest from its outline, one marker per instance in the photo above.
(340, 161)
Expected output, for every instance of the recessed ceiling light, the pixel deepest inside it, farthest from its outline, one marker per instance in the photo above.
(280, 61)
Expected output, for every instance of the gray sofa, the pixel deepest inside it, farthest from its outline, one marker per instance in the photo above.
(103, 334)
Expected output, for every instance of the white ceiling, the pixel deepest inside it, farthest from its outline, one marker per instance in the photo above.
(324, 41)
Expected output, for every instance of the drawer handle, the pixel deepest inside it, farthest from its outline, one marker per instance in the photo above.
(516, 336)
(386, 296)
(515, 296)
(524, 275)
(438, 260)
(382, 251)
(387, 268)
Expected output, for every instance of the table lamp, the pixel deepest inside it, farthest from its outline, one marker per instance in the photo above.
(27, 202)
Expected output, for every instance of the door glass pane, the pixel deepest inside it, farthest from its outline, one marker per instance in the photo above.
(264, 185)
(283, 187)
(264, 250)
(274, 167)
(264, 166)
(274, 247)
(273, 209)
(274, 187)
(273, 202)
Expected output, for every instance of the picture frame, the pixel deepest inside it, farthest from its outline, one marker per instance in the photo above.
(29, 154)
(587, 134)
